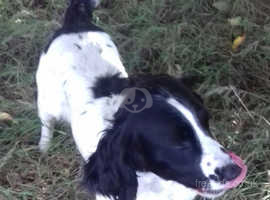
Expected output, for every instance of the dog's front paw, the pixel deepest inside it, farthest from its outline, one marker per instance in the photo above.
(44, 145)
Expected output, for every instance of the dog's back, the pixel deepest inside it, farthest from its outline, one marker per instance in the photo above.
(78, 53)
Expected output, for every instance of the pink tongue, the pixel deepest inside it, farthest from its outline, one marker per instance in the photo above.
(237, 160)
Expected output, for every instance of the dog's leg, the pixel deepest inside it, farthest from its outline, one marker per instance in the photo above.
(46, 134)
(87, 131)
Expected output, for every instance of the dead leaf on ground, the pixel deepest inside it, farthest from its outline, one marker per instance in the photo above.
(5, 117)
(238, 41)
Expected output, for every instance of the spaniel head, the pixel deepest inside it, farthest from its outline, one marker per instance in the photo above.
(169, 137)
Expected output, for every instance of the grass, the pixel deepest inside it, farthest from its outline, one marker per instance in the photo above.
(156, 36)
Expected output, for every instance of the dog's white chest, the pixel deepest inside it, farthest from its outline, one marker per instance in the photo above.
(152, 187)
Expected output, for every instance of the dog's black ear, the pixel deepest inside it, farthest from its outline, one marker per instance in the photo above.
(108, 172)
(78, 14)
(189, 80)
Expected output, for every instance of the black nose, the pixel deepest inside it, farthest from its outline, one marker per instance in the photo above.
(228, 172)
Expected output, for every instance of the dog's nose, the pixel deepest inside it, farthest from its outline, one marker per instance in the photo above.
(228, 173)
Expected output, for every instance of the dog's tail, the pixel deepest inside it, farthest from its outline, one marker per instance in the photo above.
(79, 13)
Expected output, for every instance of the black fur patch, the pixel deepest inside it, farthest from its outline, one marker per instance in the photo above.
(109, 85)
(78, 46)
(77, 19)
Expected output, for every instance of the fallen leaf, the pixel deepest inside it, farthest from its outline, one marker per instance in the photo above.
(5, 117)
(238, 41)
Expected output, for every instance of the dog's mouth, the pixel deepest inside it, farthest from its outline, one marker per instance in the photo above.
(211, 193)
(240, 178)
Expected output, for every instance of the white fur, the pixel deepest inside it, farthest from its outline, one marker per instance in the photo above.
(152, 187)
(96, 3)
(64, 78)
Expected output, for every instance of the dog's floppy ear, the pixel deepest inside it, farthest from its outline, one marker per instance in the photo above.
(189, 80)
(108, 172)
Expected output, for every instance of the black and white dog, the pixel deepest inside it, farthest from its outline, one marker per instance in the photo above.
(145, 137)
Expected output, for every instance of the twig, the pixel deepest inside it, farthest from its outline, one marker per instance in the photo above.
(240, 100)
